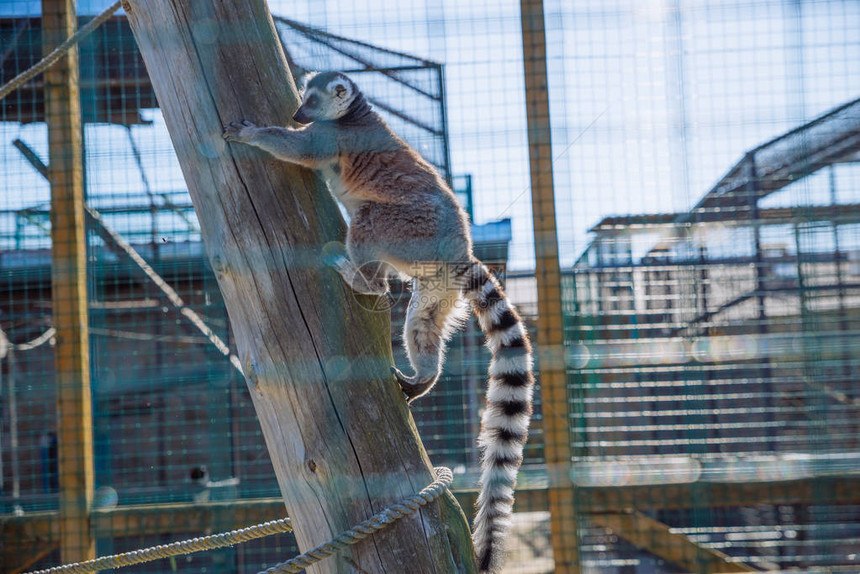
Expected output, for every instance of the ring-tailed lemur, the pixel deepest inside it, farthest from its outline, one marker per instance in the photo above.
(405, 219)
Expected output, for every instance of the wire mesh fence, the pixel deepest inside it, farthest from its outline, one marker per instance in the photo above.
(668, 191)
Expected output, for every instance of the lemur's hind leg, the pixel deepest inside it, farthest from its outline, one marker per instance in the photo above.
(368, 279)
(434, 312)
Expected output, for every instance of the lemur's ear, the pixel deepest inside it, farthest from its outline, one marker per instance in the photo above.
(339, 90)
(302, 78)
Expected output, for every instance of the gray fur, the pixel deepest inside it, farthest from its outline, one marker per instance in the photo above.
(405, 220)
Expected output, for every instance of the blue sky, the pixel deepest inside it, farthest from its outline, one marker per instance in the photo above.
(651, 100)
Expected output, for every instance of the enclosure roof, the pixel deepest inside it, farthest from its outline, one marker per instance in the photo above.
(492, 232)
(625, 223)
(833, 137)
(614, 222)
(115, 85)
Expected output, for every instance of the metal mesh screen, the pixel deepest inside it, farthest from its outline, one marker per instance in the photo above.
(689, 168)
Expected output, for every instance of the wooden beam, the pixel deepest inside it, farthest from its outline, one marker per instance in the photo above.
(24, 556)
(550, 333)
(69, 285)
(658, 539)
(25, 539)
(41, 528)
(146, 519)
(717, 495)
(601, 500)
(315, 357)
(152, 518)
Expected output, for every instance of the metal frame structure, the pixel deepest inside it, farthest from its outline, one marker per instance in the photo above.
(759, 302)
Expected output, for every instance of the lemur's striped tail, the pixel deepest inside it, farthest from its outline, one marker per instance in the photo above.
(505, 423)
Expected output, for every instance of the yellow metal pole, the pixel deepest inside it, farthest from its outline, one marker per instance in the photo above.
(69, 285)
(550, 334)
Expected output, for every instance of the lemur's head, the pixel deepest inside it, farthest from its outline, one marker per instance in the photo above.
(327, 96)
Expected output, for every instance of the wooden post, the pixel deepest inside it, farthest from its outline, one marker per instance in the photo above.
(315, 357)
(550, 333)
(69, 285)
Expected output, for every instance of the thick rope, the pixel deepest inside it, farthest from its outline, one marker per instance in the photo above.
(373, 524)
(58, 52)
(175, 548)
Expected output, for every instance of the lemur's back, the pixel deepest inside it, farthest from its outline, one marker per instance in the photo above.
(374, 158)
(397, 197)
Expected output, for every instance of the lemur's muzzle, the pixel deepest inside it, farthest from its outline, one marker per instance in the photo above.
(301, 116)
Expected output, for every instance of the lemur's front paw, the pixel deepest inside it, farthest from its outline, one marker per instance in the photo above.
(239, 131)
(413, 387)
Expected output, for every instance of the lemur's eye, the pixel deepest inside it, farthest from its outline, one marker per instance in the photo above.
(312, 102)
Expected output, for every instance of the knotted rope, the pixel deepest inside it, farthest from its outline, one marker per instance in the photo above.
(377, 522)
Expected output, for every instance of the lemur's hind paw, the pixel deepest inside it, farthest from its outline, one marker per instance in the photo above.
(415, 386)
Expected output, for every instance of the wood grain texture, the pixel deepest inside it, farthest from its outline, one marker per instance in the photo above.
(339, 433)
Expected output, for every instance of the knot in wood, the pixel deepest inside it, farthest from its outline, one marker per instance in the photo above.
(219, 266)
